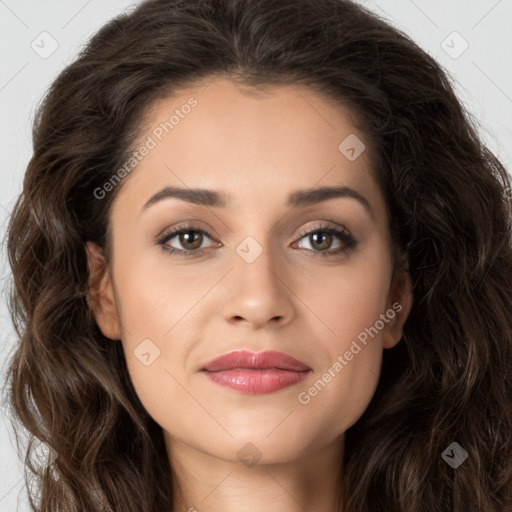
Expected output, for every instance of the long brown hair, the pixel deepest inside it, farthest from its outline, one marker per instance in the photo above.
(450, 377)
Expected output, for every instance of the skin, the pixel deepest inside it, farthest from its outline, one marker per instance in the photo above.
(258, 148)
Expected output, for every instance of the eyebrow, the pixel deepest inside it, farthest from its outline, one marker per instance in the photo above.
(298, 198)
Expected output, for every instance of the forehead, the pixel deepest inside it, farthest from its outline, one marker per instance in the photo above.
(255, 145)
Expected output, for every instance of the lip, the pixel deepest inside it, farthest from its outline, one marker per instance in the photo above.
(255, 360)
(256, 372)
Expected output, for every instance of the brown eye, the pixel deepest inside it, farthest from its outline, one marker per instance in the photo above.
(188, 239)
(320, 239)
(190, 242)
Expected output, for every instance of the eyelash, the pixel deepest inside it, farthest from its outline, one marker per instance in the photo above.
(347, 239)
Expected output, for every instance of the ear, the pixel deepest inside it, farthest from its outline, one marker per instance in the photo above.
(400, 302)
(101, 299)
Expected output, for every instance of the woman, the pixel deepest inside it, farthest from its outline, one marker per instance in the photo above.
(262, 261)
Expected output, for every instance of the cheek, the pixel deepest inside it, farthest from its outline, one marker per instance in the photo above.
(344, 301)
(156, 345)
(350, 353)
(155, 294)
(337, 398)
(159, 308)
(348, 305)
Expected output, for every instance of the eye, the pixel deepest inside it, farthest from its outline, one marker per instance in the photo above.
(188, 236)
(320, 239)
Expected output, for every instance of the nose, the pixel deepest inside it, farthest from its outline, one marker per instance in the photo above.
(258, 293)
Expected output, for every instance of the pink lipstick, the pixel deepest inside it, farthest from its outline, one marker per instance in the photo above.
(251, 372)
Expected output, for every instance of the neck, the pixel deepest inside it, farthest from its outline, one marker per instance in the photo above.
(206, 483)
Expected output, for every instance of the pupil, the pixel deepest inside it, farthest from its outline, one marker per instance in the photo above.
(321, 234)
(188, 239)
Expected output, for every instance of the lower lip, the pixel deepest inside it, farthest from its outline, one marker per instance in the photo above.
(256, 381)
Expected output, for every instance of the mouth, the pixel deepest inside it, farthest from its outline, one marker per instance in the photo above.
(256, 373)
(255, 361)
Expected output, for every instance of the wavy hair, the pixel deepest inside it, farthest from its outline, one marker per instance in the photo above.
(449, 202)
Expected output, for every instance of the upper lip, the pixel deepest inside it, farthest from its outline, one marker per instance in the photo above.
(259, 360)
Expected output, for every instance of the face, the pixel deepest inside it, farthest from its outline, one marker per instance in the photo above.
(270, 266)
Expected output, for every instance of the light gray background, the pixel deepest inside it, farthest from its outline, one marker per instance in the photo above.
(482, 75)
